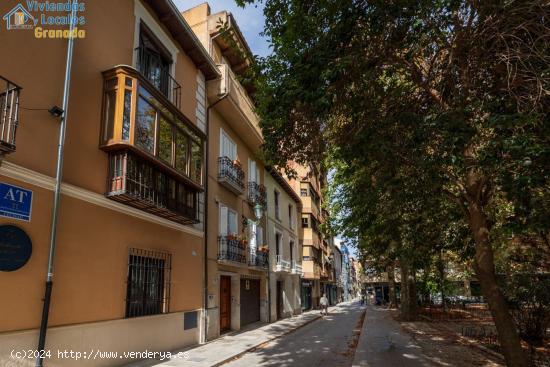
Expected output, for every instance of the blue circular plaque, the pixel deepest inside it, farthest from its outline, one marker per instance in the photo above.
(15, 248)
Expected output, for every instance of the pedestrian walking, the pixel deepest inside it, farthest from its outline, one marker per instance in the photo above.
(324, 304)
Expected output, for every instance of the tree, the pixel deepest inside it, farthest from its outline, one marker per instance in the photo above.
(459, 91)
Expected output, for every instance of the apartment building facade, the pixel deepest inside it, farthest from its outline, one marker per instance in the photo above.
(237, 255)
(130, 238)
(283, 238)
(307, 185)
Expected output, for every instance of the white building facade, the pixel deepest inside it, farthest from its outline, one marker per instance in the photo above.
(285, 249)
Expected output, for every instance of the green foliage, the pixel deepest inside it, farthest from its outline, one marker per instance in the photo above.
(428, 112)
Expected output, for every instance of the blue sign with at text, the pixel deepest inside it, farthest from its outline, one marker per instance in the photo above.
(15, 202)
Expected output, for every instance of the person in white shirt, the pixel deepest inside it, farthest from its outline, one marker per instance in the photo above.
(324, 304)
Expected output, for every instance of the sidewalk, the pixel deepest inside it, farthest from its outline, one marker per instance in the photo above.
(232, 345)
(383, 343)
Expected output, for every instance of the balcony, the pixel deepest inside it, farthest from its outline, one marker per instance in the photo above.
(156, 154)
(238, 109)
(231, 175)
(231, 249)
(296, 267)
(150, 65)
(9, 115)
(259, 259)
(281, 264)
(136, 182)
(257, 194)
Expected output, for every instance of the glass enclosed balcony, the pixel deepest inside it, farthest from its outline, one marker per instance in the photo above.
(156, 153)
(9, 115)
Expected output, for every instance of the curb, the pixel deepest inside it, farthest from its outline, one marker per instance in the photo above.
(259, 345)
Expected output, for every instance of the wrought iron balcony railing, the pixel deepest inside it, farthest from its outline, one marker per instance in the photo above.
(257, 194)
(152, 67)
(259, 259)
(231, 175)
(296, 267)
(231, 249)
(9, 115)
(136, 182)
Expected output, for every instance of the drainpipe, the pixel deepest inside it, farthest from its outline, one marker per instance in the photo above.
(57, 192)
(222, 97)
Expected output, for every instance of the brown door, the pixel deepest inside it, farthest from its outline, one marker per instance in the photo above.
(279, 300)
(225, 303)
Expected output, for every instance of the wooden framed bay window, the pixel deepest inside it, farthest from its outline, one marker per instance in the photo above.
(141, 125)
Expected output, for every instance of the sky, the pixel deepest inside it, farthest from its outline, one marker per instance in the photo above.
(250, 20)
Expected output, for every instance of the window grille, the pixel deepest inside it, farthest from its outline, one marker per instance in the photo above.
(148, 284)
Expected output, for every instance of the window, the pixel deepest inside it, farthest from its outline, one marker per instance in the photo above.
(160, 133)
(145, 125)
(154, 60)
(228, 221)
(290, 216)
(277, 211)
(259, 236)
(253, 171)
(148, 283)
(277, 243)
(303, 192)
(291, 245)
(305, 222)
(228, 148)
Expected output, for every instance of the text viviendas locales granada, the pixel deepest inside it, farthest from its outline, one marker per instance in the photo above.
(46, 20)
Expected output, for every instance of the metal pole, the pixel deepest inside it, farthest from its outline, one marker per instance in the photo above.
(57, 192)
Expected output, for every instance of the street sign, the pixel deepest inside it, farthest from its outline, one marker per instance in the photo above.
(15, 248)
(15, 202)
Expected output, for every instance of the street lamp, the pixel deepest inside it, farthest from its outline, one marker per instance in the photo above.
(258, 211)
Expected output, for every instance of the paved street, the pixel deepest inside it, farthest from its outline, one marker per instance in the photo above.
(329, 341)
(384, 343)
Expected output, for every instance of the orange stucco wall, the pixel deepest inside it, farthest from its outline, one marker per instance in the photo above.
(93, 241)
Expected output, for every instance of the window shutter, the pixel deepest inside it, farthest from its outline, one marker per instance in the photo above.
(251, 233)
(232, 220)
(258, 175)
(222, 143)
(233, 149)
(259, 236)
(223, 220)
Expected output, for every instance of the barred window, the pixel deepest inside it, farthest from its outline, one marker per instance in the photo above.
(148, 285)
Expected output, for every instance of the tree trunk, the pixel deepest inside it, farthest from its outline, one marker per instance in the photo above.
(441, 271)
(413, 299)
(391, 281)
(408, 293)
(404, 310)
(485, 268)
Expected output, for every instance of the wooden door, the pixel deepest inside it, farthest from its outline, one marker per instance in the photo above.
(279, 300)
(225, 303)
